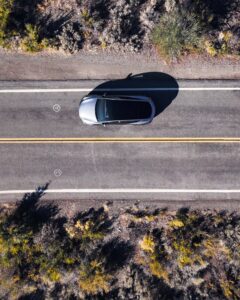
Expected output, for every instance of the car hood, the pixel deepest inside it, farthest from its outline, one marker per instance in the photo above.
(87, 110)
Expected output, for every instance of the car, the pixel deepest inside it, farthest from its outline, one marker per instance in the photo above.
(102, 110)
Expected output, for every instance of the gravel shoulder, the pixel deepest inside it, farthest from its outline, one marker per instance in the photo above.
(110, 65)
(69, 207)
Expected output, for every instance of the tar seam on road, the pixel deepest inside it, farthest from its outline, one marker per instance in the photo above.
(127, 191)
(85, 140)
(73, 90)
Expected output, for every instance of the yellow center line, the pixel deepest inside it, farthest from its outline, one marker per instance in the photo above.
(83, 140)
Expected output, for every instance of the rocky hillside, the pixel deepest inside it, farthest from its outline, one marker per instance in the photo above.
(130, 254)
(123, 25)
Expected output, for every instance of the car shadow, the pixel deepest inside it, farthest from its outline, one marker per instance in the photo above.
(160, 87)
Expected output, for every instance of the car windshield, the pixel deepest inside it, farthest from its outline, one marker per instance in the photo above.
(120, 110)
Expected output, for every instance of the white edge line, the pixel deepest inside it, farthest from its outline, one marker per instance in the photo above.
(6, 91)
(114, 191)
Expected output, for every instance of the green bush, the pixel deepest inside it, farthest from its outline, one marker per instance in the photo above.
(31, 42)
(5, 10)
(177, 32)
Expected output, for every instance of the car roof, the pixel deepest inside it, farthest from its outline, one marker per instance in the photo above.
(114, 111)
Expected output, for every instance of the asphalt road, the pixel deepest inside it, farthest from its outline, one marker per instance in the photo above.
(197, 109)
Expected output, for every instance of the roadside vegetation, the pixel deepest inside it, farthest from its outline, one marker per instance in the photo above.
(130, 254)
(31, 42)
(178, 32)
(174, 27)
(5, 10)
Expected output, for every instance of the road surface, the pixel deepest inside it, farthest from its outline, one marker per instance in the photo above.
(191, 150)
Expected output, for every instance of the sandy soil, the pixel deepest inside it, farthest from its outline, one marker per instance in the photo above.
(110, 65)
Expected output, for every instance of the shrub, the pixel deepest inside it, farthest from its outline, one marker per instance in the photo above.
(84, 231)
(147, 244)
(227, 287)
(93, 279)
(70, 39)
(187, 252)
(90, 226)
(152, 257)
(209, 47)
(213, 248)
(31, 42)
(5, 10)
(54, 275)
(158, 270)
(176, 223)
(177, 32)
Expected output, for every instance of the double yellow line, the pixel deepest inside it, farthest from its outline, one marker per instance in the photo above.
(84, 140)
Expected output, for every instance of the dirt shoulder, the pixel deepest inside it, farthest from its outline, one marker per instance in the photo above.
(109, 65)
